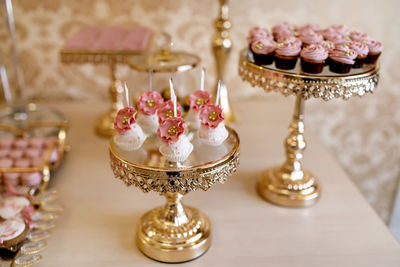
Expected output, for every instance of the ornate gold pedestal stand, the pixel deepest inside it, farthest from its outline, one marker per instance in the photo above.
(174, 232)
(290, 184)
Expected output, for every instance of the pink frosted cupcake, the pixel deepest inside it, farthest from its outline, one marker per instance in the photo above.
(36, 142)
(11, 178)
(263, 51)
(357, 36)
(375, 49)
(283, 28)
(310, 37)
(290, 38)
(4, 152)
(313, 58)
(341, 59)
(258, 33)
(16, 153)
(286, 55)
(6, 142)
(361, 49)
(20, 143)
(309, 27)
(340, 29)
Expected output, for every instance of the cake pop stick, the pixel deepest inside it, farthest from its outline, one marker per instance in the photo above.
(203, 74)
(150, 81)
(126, 95)
(173, 95)
(218, 92)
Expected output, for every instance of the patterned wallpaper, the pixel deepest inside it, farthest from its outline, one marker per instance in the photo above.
(362, 133)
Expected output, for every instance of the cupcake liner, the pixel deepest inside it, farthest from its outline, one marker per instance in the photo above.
(287, 63)
(338, 67)
(312, 67)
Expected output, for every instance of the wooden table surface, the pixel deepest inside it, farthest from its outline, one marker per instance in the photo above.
(98, 225)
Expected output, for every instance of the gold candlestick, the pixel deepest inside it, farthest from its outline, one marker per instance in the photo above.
(290, 184)
(222, 45)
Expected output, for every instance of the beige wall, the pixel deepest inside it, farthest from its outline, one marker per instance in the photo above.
(362, 133)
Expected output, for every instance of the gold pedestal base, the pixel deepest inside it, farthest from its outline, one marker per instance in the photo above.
(275, 186)
(105, 124)
(177, 241)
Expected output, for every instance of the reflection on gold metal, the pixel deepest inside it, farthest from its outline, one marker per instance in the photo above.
(290, 184)
(174, 233)
(222, 45)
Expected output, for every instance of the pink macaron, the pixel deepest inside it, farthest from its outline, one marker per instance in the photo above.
(16, 153)
(38, 161)
(6, 142)
(6, 163)
(36, 142)
(20, 143)
(50, 141)
(11, 178)
(31, 178)
(32, 152)
(4, 152)
(22, 163)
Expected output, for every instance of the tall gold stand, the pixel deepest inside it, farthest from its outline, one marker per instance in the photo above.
(222, 45)
(290, 184)
(174, 232)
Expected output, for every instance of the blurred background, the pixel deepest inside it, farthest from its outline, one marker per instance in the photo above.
(363, 134)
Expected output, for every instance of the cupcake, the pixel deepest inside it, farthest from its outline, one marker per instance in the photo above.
(341, 59)
(375, 49)
(290, 38)
(284, 27)
(309, 27)
(196, 100)
(310, 37)
(313, 58)
(340, 29)
(286, 55)
(148, 104)
(130, 135)
(176, 146)
(357, 36)
(263, 51)
(361, 49)
(258, 33)
(212, 131)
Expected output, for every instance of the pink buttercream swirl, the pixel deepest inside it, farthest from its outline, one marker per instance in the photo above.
(358, 36)
(340, 29)
(343, 54)
(289, 49)
(166, 110)
(283, 39)
(328, 45)
(360, 48)
(283, 27)
(124, 119)
(310, 37)
(263, 46)
(199, 98)
(339, 39)
(314, 52)
(211, 116)
(257, 33)
(374, 46)
(328, 33)
(171, 129)
(308, 27)
(149, 102)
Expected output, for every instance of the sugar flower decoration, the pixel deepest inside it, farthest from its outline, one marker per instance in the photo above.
(211, 116)
(124, 119)
(166, 110)
(171, 129)
(198, 99)
(149, 102)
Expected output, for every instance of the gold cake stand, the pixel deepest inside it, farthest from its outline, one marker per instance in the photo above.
(175, 233)
(290, 184)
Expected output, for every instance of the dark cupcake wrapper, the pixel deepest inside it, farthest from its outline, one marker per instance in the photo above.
(339, 67)
(285, 63)
(372, 58)
(312, 67)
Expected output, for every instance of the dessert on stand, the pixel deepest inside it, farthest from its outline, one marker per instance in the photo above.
(171, 164)
(306, 62)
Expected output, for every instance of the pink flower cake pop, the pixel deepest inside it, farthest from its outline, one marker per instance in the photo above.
(196, 100)
(212, 131)
(148, 104)
(176, 146)
(130, 135)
